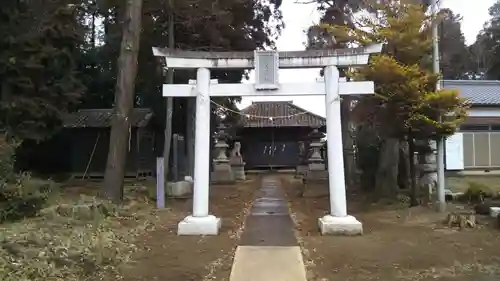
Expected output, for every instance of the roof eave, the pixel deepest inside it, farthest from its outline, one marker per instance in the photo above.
(485, 105)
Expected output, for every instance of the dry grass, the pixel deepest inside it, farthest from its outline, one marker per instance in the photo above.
(76, 237)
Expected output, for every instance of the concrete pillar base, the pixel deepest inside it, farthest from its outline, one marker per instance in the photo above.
(208, 225)
(345, 226)
(441, 207)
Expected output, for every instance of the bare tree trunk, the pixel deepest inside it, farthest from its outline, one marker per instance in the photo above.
(93, 25)
(170, 101)
(404, 166)
(124, 102)
(387, 174)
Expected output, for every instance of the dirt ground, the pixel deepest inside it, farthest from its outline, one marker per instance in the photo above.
(398, 244)
(165, 256)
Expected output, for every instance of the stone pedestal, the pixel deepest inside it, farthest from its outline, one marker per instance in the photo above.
(347, 225)
(207, 225)
(180, 189)
(301, 170)
(315, 184)
(222, 174)
(238, 171)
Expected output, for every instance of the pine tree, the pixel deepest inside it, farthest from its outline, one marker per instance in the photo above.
(406, 104)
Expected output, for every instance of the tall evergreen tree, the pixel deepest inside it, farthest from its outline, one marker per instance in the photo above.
(39, 83)
(485, 60)
(455, 57)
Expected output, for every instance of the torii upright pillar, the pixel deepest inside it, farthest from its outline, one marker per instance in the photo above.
(267, 64)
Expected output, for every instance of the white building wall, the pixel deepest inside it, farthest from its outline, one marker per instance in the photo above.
(484, 112)
(454, 145)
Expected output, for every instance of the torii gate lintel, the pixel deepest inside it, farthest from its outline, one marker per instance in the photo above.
(338, 221)
(285, 89)
(287, 60)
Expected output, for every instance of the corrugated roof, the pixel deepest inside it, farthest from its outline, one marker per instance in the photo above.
(478, 92)
(101, 118)
(280, 108)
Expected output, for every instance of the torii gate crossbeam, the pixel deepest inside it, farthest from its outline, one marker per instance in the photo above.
(337, 222)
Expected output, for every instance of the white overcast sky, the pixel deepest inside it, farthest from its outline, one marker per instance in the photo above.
(298, 17)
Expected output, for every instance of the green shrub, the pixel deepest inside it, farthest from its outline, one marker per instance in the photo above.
(23, 198)
(20, 195)
(7, 159)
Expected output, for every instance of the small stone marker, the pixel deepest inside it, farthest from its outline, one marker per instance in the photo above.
(160, 183)
(179, 189)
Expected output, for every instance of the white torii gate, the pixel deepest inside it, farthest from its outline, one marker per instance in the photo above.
(266, 65)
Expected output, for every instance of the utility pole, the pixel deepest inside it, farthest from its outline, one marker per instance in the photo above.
(441, 200)
(170, 100)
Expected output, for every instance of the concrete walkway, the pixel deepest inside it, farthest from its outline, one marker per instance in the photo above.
(268, 249)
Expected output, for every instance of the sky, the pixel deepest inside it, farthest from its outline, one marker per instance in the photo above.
(298, 17)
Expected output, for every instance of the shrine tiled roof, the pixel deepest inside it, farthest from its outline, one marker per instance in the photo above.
(101, 118)
(299, 117)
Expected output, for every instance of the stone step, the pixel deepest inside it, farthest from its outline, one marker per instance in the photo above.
(268, 264)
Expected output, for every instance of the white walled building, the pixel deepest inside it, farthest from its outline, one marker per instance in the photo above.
(476, 145)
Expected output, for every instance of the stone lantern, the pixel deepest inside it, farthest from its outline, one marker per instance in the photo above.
(222, 169)
(427, 152)
(316, 161)
(316, 177)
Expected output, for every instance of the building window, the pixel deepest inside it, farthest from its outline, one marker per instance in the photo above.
(476, 128)
(482, 149)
